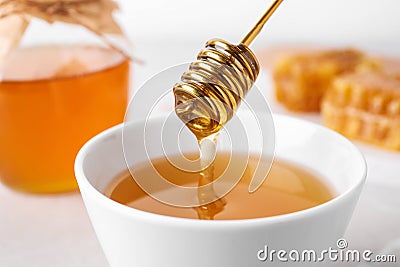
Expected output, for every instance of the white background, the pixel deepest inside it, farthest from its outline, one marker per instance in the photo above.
(339, 21)
(173, 31)
(48, 231)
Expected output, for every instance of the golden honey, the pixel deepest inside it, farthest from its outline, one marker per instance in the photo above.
(52, 100)
(288, 188)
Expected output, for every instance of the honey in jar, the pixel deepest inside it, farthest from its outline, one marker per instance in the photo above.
(52, 100)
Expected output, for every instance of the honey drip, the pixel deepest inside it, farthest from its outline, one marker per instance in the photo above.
(210, 92)
(206, 99)
(208, 209)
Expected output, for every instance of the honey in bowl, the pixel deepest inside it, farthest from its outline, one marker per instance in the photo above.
(52, 100)
(288, 188)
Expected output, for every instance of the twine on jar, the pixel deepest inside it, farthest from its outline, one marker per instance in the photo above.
(94, 15)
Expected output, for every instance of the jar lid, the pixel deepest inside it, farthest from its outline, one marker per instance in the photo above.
(95, 15)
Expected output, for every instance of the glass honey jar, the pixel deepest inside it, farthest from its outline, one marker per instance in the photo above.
(59, 87)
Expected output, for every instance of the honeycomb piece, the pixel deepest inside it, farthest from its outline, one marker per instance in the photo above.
(365, 106)
(302, 79)
(390, 66)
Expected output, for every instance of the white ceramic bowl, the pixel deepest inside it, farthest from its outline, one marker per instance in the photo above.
(131, 237)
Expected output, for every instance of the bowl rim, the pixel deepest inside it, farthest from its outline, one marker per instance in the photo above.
(86, 187)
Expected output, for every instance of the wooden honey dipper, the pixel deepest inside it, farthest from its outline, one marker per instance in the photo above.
(209, 93)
